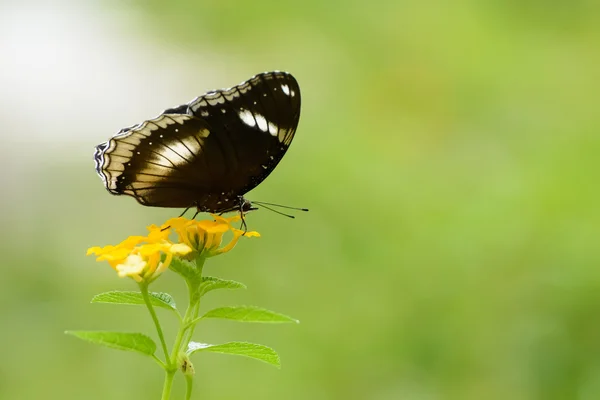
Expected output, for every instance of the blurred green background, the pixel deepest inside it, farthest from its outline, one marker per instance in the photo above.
(448, 151)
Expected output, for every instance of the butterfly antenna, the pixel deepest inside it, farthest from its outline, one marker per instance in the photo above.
(261, 203)
(275, 211)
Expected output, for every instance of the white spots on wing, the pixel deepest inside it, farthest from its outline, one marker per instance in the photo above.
(150, 143)
(271, 157)
(223, 110)
(254, 102)
(286, 89)
(272, 129)
(138, 153)
(160, 162)
(204, 113)
(161, 136)
(176, 130)
(175, 152)
(179, 148)
(193, 144)
(258, 120)
(264, 95)
(264, 166)
(246, 117)
(261, 122)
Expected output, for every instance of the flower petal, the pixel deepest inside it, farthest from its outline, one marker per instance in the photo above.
(133, 265)
(180, 248)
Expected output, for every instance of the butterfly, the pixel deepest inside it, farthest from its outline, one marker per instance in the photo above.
(207, 153)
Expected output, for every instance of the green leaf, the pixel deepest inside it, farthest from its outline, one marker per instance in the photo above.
(185, 269)
(210, 283)
(248, 314)
(118, 340)
(252, 350)
(157, 299)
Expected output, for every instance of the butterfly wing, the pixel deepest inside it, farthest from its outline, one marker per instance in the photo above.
(163, 162)
(207, 152)
(256, 121)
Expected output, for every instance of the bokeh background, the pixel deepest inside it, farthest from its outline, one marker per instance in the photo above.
(449, 153)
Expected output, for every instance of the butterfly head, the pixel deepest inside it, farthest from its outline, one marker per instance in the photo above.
(246, 205)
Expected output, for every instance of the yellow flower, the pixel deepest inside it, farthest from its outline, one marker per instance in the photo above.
(141, 257)
(206, 237)
(132, 266)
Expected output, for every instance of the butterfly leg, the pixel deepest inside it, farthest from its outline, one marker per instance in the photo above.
(243, 224)
(181, 215)
(241, 211)
(184, 211)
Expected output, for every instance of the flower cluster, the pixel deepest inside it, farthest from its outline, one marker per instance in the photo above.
(206, 237)
(144, 258)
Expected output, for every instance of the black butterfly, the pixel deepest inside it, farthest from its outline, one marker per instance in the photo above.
(207, 153)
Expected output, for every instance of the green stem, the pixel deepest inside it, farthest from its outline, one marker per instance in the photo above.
(189, 383)
(200, 265)
(159, 362)
(146, 296)
(193, 326)
(182, 327)
(167, 385)
(183, 338)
